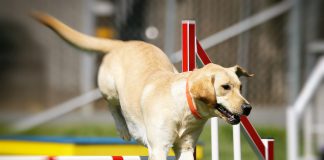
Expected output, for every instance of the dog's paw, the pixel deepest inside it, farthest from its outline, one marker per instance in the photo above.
(124, 134)
(126, 137)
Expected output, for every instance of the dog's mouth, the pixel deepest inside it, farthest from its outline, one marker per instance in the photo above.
(230, 117)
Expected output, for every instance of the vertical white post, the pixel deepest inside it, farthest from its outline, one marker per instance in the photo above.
(292, 135)
(214, 138)
(237, 141)
(265, 143)
(308, 136)
(269, 148)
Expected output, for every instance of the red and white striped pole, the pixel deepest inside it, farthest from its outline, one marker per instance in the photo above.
(190, 46)
(189, 49)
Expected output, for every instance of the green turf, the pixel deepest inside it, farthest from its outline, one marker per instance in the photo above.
(225, 137)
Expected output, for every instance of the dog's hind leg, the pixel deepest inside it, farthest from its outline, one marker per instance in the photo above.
(120, 122)
(107, 87)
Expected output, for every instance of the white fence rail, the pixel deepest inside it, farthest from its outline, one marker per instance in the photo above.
(295, 112)
(57, 111)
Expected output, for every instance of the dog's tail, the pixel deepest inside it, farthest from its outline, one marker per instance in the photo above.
(76, 38)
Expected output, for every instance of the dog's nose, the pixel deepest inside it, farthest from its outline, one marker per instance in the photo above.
(246, 109)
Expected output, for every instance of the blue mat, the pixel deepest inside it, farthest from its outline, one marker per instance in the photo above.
(74, 140)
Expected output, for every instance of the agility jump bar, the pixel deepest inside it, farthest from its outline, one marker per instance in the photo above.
(74, 146)
(77, 158)
(191, 49)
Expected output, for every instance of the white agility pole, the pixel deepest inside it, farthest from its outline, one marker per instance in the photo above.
(237, 141)
(214, 139)
(308, 133)
(292, 135)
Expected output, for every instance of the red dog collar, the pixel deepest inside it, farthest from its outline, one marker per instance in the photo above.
(191, 104)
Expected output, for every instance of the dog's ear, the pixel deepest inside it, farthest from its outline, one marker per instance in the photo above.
(239, 71)
(202, 88)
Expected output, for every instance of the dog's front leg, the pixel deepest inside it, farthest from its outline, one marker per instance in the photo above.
(158, 153)
(160, 136)
(159, 144)
(188, 155)
(184, 147)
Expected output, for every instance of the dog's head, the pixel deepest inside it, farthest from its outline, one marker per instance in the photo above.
(219, 90)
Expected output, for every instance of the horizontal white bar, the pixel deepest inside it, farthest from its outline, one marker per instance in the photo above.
(86, 158)
(23, 158)
(57, 110)
(188, 21)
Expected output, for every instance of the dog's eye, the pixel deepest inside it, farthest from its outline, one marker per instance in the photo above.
(226, 87)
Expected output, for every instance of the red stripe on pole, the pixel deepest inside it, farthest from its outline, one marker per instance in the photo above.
(271, 149)
(254, 136)
(184, 47)
(202, 54)
(51, 158)
(192, 46)
(117, 158)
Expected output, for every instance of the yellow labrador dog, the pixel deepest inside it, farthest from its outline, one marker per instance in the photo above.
(150, 101)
